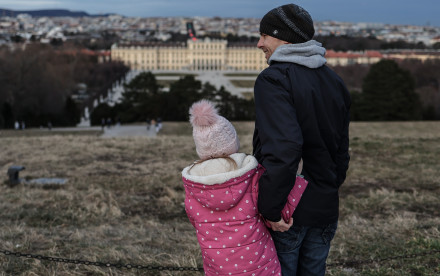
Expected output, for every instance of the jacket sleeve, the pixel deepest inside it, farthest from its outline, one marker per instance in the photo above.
(342, 155)
(281, 143)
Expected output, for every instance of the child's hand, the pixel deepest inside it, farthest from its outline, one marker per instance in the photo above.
(281, 226)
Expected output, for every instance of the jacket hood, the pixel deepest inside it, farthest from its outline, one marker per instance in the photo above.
(310, 54)
(224, 190)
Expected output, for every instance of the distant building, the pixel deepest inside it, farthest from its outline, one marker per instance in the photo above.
(219, 55)
(422, 55)
(348, 58)
(102, 56)
(199, 54)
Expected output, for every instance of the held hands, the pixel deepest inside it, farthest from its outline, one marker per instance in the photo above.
(280, 226)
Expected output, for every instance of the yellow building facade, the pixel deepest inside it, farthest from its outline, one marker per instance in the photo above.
(202, 54)
(217, 55)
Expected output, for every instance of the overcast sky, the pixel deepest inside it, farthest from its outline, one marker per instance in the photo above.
(415, 12)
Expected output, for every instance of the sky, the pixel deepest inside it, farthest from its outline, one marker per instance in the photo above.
(401, 12)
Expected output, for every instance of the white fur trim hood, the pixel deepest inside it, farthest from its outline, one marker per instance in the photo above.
(218, 170)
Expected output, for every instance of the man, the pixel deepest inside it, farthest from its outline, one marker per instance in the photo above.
(302, 111)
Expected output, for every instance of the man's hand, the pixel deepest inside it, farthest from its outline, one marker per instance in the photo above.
(281, 226)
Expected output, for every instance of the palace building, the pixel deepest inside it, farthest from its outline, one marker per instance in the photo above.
(194, 55)
(219, 55)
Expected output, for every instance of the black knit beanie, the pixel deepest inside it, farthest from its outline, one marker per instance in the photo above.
(290, 23)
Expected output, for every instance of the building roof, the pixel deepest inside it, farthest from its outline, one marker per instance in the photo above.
(334, 54)
(152, 44)
(353, 55)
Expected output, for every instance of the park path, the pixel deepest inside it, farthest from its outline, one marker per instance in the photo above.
(128, 131)
(114, 131)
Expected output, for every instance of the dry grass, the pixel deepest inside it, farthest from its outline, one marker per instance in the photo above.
(123, 201)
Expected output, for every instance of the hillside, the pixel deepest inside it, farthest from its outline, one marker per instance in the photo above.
(123, 202)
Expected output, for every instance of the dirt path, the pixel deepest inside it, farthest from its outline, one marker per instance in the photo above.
(128, 131)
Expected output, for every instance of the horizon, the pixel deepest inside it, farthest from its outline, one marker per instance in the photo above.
(392, 12)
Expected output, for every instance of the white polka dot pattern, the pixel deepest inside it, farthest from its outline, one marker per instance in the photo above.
(235, 242)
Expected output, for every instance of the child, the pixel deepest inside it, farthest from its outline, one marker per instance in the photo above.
(221, 200)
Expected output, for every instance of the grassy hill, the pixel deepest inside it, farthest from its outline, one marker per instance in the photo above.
(123, 202)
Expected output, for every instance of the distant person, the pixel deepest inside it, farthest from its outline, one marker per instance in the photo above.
(153, 124)
(23, 125)
(109, 122)
(103, 123)
(158, 124)
(148, 123)
(221, 199)
(17, 125)
(302, 111)
(49, 125)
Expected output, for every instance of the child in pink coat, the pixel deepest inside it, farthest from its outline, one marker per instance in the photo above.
(221, 200)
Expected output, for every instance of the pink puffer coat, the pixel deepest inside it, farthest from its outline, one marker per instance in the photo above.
(231, 234)
(221, 204)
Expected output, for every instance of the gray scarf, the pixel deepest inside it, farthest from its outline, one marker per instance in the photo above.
(310, 54)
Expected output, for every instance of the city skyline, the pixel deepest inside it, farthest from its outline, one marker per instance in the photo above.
(399, 12)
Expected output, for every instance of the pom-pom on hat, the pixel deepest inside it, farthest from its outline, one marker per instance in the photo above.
(289, 22)
(213, 135)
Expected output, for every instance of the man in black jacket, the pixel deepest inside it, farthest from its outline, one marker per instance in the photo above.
(302, 112)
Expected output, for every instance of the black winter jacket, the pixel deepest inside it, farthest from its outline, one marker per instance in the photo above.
(301, 113)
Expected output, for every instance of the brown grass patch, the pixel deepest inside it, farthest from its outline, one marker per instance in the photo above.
(124, 200)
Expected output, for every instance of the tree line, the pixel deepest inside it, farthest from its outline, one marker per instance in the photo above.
(348, 43)
(37, 84)
(407, 86)
(386, 91)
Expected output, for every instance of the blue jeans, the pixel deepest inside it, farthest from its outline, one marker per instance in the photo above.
(303, 250)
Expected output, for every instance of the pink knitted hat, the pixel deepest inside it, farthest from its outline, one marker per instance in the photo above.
(214, 136)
